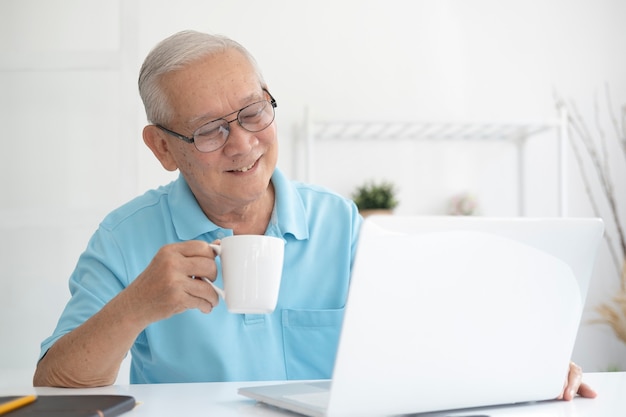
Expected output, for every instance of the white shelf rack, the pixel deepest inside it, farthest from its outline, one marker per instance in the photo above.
(516, 133)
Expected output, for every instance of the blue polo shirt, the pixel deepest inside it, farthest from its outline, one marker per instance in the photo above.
(297, 341)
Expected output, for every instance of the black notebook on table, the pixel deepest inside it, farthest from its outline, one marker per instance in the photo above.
(73, 406)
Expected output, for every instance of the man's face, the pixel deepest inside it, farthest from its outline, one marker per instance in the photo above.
(238, 173)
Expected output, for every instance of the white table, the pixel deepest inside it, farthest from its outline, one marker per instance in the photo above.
(221, 399)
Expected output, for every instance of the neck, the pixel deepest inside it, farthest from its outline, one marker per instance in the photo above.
(251, 219)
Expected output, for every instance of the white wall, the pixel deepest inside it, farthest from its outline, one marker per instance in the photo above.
(71, 116)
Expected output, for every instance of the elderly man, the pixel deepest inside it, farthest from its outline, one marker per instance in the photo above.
(211, 117)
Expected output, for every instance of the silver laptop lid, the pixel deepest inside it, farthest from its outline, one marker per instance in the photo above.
(457, 312)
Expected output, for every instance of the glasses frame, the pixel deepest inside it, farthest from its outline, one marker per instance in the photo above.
(191, 139)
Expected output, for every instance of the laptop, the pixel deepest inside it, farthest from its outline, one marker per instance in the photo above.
(448, 313)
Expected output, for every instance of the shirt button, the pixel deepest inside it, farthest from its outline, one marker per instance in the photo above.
(220, 235)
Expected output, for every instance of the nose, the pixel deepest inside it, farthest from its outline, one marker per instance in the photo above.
(239, 141)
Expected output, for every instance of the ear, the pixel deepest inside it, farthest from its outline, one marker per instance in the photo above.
(155, 139)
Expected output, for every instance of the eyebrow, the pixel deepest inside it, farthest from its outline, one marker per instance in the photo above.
(250, 98)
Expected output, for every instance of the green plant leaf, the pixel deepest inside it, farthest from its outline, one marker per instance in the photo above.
(375, 195)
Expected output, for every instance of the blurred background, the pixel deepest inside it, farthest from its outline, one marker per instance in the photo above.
(71, 121)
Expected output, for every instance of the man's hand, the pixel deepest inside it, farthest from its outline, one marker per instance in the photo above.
(165, 287)
(574, 385)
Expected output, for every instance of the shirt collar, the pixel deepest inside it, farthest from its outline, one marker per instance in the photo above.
(289, 214)
(188, 218)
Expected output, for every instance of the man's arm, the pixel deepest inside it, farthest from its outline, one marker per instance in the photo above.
(91, 354)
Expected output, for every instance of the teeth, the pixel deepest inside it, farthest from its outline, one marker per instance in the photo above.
(244, 169)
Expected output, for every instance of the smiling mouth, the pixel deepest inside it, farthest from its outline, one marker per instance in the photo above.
(245, 169)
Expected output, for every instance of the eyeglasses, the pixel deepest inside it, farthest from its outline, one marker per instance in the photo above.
(214, 134)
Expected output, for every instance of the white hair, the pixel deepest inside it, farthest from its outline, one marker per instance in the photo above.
(175, 53)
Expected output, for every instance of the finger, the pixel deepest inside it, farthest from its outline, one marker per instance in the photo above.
(209, 281)
(204, 296)
(205, 306)
(586, 391)
(192, 248)
(574, 380)
(200, 267)
(202, 304)
(198, 259)
(184, 259)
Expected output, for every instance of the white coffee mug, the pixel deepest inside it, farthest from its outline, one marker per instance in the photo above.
(252, 267)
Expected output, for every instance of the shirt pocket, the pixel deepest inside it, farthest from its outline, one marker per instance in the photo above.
(310, 339)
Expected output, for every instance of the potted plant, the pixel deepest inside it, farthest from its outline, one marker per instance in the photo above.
(375, 197)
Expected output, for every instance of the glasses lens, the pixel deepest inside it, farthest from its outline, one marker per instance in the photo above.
(256, 116)
(211, 136)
